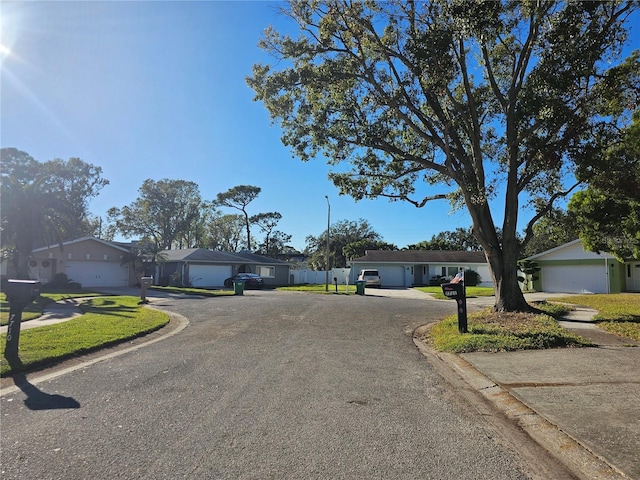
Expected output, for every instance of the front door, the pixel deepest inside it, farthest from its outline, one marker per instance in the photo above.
(633, 276)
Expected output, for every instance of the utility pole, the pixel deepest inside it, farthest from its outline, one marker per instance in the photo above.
(326, 286)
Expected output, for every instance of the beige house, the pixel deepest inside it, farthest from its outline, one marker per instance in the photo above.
(90, 261)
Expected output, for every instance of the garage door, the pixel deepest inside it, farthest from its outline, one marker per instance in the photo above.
(574, 279)
(392, 276)
(98, 274)
(208, 275)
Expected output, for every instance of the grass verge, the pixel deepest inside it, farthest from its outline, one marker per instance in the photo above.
(320, 288)
(617, 313)
(501, 332)
(470, 291)
(106, 321)
(193, 291)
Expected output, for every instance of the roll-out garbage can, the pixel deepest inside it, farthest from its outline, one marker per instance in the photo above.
(360, 284)
(238, 288)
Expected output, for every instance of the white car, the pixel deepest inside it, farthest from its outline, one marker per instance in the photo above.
(371, 277)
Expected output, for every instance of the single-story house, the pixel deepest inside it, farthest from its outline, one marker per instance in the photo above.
(569, 268)
(90, 261)
(406, 268)
(200, 267)
(93, 262)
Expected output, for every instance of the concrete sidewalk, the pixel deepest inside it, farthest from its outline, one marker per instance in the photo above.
(582, 404)
(53, 313)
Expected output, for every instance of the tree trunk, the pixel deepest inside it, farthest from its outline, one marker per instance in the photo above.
(502, 257)
(504, 272)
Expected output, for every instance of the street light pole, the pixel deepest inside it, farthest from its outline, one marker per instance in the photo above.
(326, 286)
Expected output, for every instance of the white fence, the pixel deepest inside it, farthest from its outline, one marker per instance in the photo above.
(300, 277)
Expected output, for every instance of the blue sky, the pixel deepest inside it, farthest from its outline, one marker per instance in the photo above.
(157, 90)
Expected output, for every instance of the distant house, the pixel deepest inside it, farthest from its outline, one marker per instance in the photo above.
(200, 267)
(90, 261)
(406, 268)
(569, 268)
(93, 262)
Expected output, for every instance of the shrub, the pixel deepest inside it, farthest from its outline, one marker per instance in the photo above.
(472, 278)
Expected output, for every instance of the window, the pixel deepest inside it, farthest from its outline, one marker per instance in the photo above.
(266, 272)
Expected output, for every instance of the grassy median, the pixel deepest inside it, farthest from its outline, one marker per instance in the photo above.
(493, 332)
(489, 331)
(106, 321)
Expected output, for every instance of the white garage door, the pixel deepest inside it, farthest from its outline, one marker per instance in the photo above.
(392, 276)
(208, 275)
(574, 279)
(98, 274)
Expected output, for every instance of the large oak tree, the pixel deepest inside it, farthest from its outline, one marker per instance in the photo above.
(164, 213)
(486, 98)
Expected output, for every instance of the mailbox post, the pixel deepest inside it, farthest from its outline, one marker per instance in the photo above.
(145, 282)
(20, 293)
(456, 292)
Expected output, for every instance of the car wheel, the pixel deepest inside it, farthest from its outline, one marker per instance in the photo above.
(227, 283)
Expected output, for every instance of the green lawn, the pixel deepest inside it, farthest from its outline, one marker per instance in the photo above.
(193, 291)
(489, 331)
(320, 288)
(617, 313)
(106, 321)
(470, 291)
(34, 310)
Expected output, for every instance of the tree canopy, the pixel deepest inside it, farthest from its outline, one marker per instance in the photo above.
(44, 203)
(165, 210)
(485, 99)
(239, 197)
(342, 234)
(607, 213)
(460, 239)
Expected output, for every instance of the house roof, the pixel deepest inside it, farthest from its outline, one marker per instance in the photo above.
(200, 255)
(203, 255)
(260, 258)
(421, 256)
(573, 250)
(80, 240)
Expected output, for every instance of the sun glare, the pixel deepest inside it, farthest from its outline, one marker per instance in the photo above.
(4, 51)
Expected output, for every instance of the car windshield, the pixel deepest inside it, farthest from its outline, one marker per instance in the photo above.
(370, 273)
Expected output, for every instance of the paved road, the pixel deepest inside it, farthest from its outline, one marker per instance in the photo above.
(270, 385)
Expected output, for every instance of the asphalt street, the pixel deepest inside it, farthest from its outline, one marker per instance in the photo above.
(269, 385)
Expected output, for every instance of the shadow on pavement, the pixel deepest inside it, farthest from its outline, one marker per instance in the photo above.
(36, 398)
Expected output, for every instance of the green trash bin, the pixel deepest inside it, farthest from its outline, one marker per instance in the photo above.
(360, 287)
(238, 288)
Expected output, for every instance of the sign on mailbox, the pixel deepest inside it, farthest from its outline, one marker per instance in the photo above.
(452, 290)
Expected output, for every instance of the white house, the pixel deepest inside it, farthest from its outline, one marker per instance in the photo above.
(569, 268)
(406, 268)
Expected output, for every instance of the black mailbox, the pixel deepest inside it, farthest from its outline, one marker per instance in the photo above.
(456, 292)
(453, 290)
(22, 291)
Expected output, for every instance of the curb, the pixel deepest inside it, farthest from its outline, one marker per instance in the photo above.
(568, 450)
(176, 324)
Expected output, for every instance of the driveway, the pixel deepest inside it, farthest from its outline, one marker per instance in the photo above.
(269, 385)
